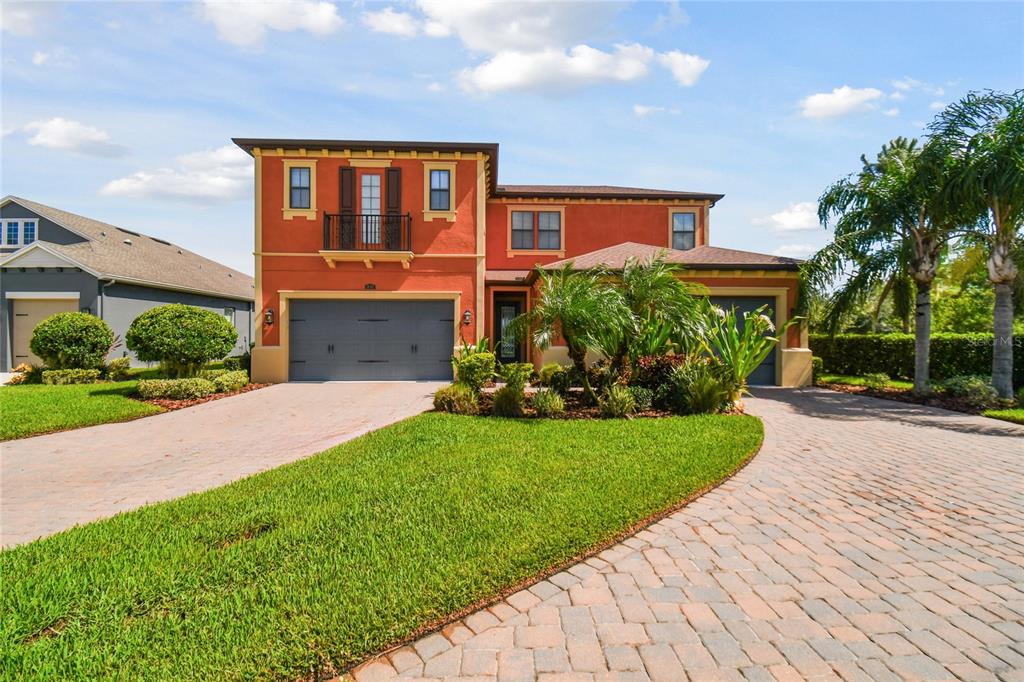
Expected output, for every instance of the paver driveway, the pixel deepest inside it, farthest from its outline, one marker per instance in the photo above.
(49, 483)
(869, 540)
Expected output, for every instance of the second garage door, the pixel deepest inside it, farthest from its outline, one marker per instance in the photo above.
(369, 340)
(764, 375)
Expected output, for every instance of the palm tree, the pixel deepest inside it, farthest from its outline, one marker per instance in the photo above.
(984, 134)
(890, 222)
(578, 306)
(662, 308)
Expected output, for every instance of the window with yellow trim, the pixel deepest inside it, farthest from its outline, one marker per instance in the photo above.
(684, 230)
(536, 231)
(299, 188)
(439, 190)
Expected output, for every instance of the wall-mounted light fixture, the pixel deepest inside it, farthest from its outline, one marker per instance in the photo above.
(268, 317)
(467, 317)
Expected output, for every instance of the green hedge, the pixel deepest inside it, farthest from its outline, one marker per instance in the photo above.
(61, 377)
(951, 355)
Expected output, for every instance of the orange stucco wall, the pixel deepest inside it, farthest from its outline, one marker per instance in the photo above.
(588, 226)
(303, 236)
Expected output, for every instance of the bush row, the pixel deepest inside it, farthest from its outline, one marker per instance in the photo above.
(60, 377)
(190, 389)
(893, 354)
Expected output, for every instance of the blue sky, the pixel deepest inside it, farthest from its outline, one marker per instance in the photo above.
(123, 111)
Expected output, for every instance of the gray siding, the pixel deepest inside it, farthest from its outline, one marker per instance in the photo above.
(122, 303)
(12, 279)
(47, 231)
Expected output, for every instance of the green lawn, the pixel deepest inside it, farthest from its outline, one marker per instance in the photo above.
(1015, 415)
(859, 381)
(34, 409)
(330, 559)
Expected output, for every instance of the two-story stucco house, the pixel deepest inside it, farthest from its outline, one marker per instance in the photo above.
(375, 259)
(54, 261)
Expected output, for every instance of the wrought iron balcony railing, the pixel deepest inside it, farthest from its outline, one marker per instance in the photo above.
(367, 232)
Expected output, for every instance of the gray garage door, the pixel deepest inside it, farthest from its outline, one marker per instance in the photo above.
(370, 340)
(764, 375)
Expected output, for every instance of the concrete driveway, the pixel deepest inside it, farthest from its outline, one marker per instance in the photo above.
(869, 540)
(49, 483)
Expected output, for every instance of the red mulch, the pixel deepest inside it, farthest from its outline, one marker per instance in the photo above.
(902, 395)
(170, 404)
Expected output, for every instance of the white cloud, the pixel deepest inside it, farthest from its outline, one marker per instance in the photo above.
(685, 68)
(642, 110)
(795, 250)
(389, 21)
(435, 87)
(908, 84)
(905, 84)
(24, 18)
(891, 112)
(245, 24)
(897, 95)
(555, 70)
(935, 106)
(72, 136)
(796, 217)
(59, 56)
(495, 26)
(212, 175)
(675, 16)
(39, 58)
(840, 101)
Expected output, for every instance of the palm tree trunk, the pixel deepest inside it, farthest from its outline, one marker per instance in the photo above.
(579, 361)
(1002, 343)
(922, 338)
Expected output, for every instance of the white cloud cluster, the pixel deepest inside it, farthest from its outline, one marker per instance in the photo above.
(535, 45)
(24, 18)
(58, 56)
(642, 110)
(795, 250)
(211, 175)
(908, 84)
(799, 216)
(245, 24)
(841, 101)
(72, 136)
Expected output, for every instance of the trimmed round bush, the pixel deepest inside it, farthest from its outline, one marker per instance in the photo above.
(476, 370)
(231, 381)
(457, 399)
(508, 402)
(976, 390)
(182, 338)
(72, 341)
(176, 389)
(877, 381)
(62, 377)
(117, 369)
(556, 377)
(548, 403)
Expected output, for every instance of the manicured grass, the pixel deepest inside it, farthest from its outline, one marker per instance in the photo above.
(1015, 415)
(34, 409)
(859, 381)
(332, 558)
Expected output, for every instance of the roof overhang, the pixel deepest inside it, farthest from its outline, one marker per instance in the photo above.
(59, 259)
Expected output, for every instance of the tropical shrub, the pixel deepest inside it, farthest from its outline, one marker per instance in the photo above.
(653, 371)
(475, 370)
(231, 381)
(176, 389)
(555, 377)
(951, 355)
(702, 387)
(516, 375)
(117, 369)
(617, 402)
(643, 396)
(817, 368)
(72, 341)
(508, 402)
(27, 373)
(61, 377)
(740, 348)
(548, 403)
(877, 381)
(977, 391)
(466, 351)
(457, 399)
(181, 338)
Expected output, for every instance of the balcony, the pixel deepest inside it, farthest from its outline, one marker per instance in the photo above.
(368, 238)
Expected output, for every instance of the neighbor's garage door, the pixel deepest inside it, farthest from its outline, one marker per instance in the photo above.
(370, 340)
(764, 375)
(29, 312)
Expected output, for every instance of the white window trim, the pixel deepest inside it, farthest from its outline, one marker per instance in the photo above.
(21, 230)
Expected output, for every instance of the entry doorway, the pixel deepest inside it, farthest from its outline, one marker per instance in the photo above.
(506, 308)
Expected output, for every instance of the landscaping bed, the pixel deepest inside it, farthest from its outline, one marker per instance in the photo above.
(308, 569)
(173, 404)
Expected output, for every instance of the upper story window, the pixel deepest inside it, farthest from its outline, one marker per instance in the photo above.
(438, 187)
(19, 232)
(535, 230)
(299, 188)
(684, 230)
(440, 190)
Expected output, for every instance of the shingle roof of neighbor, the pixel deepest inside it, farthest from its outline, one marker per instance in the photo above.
(698, 258)
(116, 252)
(600, 192)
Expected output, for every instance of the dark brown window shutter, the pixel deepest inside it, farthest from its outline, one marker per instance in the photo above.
(347, 191)
(393, 203)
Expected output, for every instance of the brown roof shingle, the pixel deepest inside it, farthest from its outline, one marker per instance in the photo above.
(699, 258)
(118, 253)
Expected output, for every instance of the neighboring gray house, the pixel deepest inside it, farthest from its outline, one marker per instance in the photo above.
(53, 261)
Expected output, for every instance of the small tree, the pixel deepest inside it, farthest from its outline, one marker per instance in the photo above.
(72, 341)
(182, 338)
